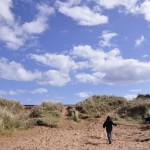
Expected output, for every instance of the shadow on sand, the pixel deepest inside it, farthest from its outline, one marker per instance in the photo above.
(92, 143)
(95, 143)
(144, 128)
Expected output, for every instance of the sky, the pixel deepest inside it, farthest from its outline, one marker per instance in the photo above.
(68, 50)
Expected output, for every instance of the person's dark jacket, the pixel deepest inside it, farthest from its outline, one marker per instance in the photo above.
(108, 124)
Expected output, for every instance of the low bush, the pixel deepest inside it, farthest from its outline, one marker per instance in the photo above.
(73, 113)
(36, 112)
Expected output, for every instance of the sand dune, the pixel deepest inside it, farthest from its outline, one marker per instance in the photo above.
(88, 136)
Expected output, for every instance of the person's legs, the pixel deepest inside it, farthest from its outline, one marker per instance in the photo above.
(109, 136)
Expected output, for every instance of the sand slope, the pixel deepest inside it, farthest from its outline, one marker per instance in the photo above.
(89, 136)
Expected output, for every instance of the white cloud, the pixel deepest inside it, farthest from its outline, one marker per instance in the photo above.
(13, 41)
(139, 41)
(106, 38)
(54, 78)
(109, 67)
(136, 90)
(145, 10)
(39, 91)
(39, 25)
(58, 61)
(11, 92)
(145, 56)
(15, 71)
(18, 91)
(109, 5)
(82, 14)
(130, 96)
(86, 52)
(84, 64)
(20, 33)
(94, 78)
(5, 10)
(128, 4)
(83, 94)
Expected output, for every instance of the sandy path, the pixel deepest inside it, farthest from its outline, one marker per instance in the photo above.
(91, 136)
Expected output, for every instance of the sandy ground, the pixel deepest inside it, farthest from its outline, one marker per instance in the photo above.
(88, 136)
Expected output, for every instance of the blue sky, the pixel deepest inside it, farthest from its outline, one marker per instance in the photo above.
(66, 51)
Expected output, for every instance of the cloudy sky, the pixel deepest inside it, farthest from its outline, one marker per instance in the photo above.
(68, 50)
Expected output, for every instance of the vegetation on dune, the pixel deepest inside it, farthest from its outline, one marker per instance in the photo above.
(96, 106)
(10, 118)
(47, 113)
(72, 113)
(11, 105)
(14, 116)
(137, 109)
(50, 109)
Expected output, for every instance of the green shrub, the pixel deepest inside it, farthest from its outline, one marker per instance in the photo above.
(40, 123)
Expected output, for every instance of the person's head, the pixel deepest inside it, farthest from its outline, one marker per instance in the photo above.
(108, 118)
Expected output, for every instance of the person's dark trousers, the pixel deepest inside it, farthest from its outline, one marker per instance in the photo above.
(109, 136)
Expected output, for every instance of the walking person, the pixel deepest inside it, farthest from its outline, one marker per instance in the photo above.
(108, 124)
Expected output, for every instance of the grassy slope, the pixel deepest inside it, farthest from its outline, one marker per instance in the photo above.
(14, 116)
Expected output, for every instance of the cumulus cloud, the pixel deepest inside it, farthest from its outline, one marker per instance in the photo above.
(11, 92)
(83, 15)
(145, 56)
(110, 67)
(18, 91)
(11, 70)
(145, 10)
(109, 5)
(5, 10)
(136, 90)
(87, 15)
(39, 91)
(106, 38)
(83, 94)
(131, 6)
(130, 96)
(54, 78)
(39, 25)
(58, 61)
(94, 78)
(13, 41)
(128, 4)
(83, 64)
(20, 33)
(139, 41)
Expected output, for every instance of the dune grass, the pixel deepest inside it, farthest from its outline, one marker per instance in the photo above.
(10, 118)
(48, 113)
(137, 109)
(13, 116)
(96, 106)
